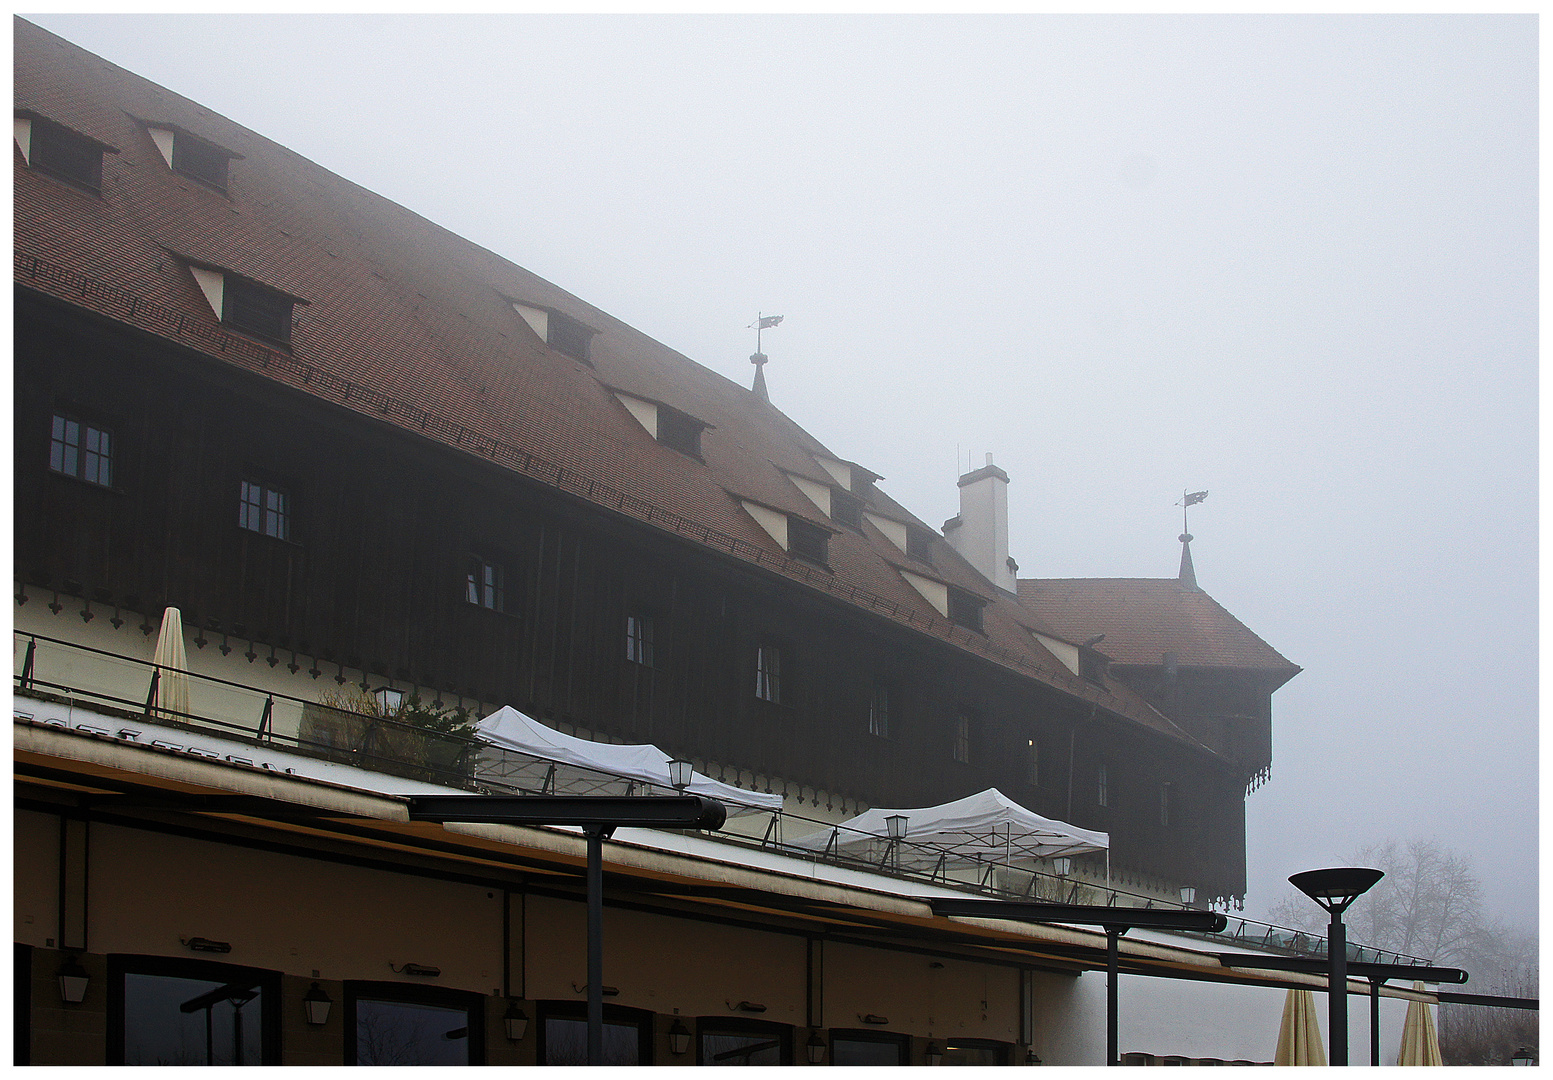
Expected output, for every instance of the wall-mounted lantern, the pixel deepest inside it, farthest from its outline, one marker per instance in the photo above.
(515, 1020)
(935, 1054)
(1031, 1057)
(816, 1048)
(679, 1039)
(316, 1004)
(73, 981)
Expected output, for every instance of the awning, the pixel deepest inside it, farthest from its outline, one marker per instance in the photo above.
(509, 729)
(987, 827)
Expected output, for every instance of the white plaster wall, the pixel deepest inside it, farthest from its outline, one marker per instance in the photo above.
(213, 284)
(935, 592)
(646, 412)
(839, 469)
(893, 531)
(539, 320)
(164, 142)
(773, 522)
(24, 137)
(818, 494)
(1068, 654)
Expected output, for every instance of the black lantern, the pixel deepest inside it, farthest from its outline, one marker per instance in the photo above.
(679, 773)
(515, 1020)
(73, 981)
(816, 1048)
(679, 1038)
(935, 1054)
(316, 1003)
(1523, 1056)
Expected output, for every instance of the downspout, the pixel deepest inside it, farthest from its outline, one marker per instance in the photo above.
(1072, 733)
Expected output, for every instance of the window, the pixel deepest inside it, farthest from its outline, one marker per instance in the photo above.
(203, 161)
(639, 640)
(965, 609)
(266, 510)
(256, 310)
(60, 152)
(768, 674)
(1102, 786)
(483, 584)
(1032, 763)
(918, 542)
(399, 1024)
(879, 711)
(806, 541)
(847, 509)
(679, 431)
(568, 336)
(171, 1011)
(81, 451)
(1167, 798)
(962, 738)
(563, 1035)
(722, 1042)
(1092, 666)
(867, 1048)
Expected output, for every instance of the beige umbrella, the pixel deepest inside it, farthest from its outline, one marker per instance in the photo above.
(172, 667)
(1420, 1044)
(1299, 1037)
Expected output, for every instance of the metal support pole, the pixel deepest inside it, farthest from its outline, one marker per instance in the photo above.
(1337, 991)
(1375, 1021)
(1112, 963)
(596, 835)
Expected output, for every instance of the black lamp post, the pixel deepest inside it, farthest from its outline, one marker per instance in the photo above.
(1335, 889)
(1115, 921)
(598, 816)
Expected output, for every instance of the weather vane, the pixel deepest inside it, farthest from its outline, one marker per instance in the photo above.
(1189, 498)
(762, 322)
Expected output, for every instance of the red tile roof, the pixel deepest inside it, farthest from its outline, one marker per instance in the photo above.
(1145, 618)
(411, 325)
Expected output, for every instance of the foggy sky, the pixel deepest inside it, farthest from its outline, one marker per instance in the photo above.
(1291, 260)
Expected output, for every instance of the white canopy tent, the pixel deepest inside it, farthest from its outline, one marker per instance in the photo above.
(984, 828)
(508, 729)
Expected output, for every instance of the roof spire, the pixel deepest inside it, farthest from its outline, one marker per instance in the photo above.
(758, 358)
(1188, 573)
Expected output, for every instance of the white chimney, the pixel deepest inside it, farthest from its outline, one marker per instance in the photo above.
(980, 532)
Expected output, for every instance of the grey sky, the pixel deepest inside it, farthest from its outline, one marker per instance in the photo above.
(1291, 260)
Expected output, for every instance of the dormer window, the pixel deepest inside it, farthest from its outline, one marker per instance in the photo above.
(561, 332)
(918, 544)
(846, 509)
(807, 541)
(679, 431)
(56, 150)
(965, 608)
(246, 305)
(200, 160)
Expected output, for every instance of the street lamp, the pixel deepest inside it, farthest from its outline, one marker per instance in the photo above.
(598, 816)
(515, 1020)
(1335, 889)
(679, 773)
(1523, 1056)
(1188, 896)
(679, 1039)
(315, 1003)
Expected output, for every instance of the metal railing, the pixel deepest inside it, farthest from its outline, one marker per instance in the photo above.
(52, 668)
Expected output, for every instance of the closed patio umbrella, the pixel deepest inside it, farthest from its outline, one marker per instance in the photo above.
(1420, 1043)
(1299, 1037)
(171, 700)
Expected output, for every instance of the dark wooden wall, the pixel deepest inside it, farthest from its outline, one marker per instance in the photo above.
(383, 524)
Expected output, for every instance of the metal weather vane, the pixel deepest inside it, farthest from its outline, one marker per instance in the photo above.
(1189, 498)
(762, 322)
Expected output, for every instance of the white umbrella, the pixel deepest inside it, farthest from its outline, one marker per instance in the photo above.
(1299, 1037)
(1420, 1044)
(172, 669)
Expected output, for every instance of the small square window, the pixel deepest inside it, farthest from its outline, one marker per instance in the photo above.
(567, 336)
(1102, 787)
(879, 711)
(965, 609)
(483, 584)
(679, 431)
(82, 451)
(639, 633)
(61, 152)
(846, 509)
(203, 161)
(265, 509)
(962, 738)
(256, 310)
(768, 674)
(807, 541)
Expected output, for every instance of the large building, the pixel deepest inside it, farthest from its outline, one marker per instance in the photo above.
(368, 460)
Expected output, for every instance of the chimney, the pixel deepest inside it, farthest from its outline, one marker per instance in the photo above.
(980, 531)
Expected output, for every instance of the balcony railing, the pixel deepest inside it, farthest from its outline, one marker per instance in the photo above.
(133, 689)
